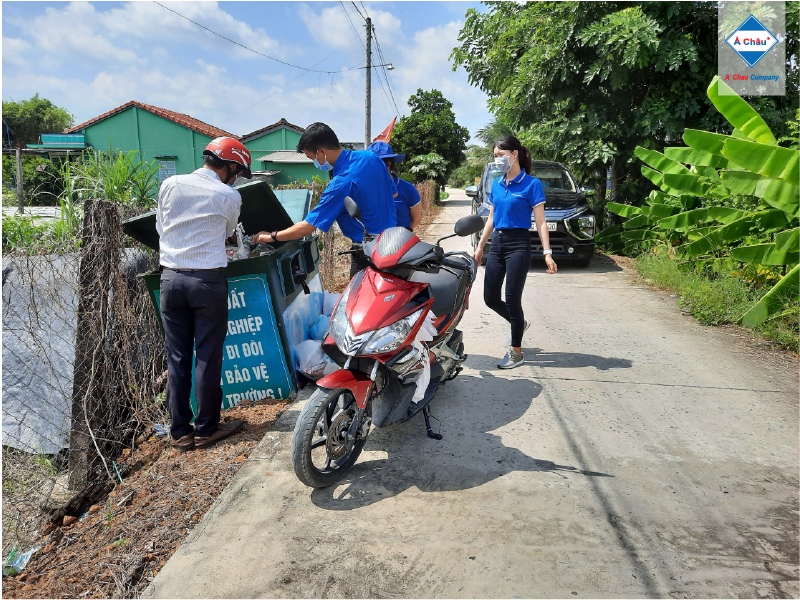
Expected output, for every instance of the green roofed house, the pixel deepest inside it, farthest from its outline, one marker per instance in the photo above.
(273, 148)
(175, 140)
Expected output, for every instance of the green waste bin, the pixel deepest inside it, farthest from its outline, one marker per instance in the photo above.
(269, 311)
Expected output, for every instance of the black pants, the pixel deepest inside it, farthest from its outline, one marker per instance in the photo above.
(509, 258)
(194, 311)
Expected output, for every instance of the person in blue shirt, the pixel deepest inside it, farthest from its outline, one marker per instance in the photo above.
(515, 197)
(407, 202)
(358, 174)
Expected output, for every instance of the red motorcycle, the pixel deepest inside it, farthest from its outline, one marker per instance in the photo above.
(373, 336)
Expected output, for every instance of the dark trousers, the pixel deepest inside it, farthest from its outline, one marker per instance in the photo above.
(194, 311)
(509, 258)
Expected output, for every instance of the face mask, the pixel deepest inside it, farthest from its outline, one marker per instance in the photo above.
(503, 163)
(325, 167)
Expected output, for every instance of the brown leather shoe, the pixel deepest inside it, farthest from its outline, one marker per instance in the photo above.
(223, 430)
(183, 444)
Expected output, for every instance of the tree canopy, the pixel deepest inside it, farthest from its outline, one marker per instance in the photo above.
(586, 82)
(431, 128)
(29, 119)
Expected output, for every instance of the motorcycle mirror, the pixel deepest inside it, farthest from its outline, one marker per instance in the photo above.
(352, 208)
(468, 225)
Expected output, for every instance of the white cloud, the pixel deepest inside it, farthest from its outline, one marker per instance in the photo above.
(332, 27)
(15, 51)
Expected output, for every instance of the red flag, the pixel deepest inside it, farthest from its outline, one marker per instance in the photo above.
(386, 134)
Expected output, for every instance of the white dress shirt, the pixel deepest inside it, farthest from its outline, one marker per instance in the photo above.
(196, 212)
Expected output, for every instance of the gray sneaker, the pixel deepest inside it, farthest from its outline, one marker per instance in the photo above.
(507, 339)
(511, 360)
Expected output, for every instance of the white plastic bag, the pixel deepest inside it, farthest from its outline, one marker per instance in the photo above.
(243, 251)
(329, 302)
(311, 360)
(424, 377)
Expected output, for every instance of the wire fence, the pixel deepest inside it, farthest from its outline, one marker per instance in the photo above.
(83, 366)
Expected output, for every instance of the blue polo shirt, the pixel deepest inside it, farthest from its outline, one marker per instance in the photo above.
(362, 176)
(513, 204)
(407, 197)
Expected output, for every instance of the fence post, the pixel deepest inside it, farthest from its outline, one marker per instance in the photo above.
(20, 202)
(98, 258)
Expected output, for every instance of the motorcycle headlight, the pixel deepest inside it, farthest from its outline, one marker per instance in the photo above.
(587, 225)
(339, 325)
(391, 337)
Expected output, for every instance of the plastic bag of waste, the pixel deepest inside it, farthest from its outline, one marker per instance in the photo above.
(329, 302)
(16, 563)
(311, 360)
(243, 250)
(319, 328)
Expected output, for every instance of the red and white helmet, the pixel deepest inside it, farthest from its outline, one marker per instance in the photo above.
(230, 150)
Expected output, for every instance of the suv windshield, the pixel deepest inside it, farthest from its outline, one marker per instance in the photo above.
(491, 175)
(554, 179)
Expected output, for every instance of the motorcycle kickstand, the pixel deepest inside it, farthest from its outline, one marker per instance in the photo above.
(428, 416)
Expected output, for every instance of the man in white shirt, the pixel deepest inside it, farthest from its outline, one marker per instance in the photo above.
(196, 213)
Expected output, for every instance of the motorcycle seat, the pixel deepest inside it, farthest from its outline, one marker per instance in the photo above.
(447, 288)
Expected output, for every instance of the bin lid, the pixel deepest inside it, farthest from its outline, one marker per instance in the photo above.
(261, 211)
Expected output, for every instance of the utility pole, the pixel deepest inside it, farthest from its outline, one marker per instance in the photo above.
(368, 105)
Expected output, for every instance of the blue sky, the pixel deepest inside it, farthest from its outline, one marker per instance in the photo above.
(90, 57)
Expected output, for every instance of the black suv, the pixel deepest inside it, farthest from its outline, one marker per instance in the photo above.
(570, 221)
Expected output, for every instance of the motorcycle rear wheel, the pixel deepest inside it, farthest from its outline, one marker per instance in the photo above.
(319, 456)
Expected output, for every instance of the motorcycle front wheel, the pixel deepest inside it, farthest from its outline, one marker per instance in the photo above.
(319, 451)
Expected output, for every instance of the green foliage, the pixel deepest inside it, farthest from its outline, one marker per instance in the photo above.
(41, 184)
(585, 83)
(720, 296)
(428, 166)
(749, 208)
(431, 128)
(28, 119)
(120, 178)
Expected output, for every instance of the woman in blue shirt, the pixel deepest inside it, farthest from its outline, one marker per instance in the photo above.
(515, 197)
(407, 201)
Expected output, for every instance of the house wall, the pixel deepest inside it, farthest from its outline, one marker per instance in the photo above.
(150, 136)
(291, 172)
(281, 139)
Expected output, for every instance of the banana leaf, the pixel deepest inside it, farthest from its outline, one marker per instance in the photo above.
(788, 240)
(639, 234)
(684, 220)
(660, 162)
(773, 301)
(726, 215)
(765, 254)
(638, 221)
(607, 234)
(741, 182)
(684, 183)
(654, 176)
(739, 113)
(702, 244)
(700, 232)
(779, 194)
(770, 161)
(656, 197)
(710, 143)
(660, 211)
(692, 156)
(689, 202)
(623, 210)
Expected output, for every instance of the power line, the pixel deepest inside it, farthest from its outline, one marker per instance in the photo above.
(358, 11)
(250, 49)
(295, 79)
(385, 72)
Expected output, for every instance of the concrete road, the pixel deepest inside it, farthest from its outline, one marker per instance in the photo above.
(635, 454)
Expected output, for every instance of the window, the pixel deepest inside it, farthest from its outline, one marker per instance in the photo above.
(166, 168)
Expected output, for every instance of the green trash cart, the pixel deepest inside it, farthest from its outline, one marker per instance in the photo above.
(272, 299)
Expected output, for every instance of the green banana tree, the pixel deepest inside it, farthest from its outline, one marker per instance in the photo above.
(749, 163)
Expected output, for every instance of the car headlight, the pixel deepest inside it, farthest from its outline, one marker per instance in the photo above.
(587, 225)
(391, 337)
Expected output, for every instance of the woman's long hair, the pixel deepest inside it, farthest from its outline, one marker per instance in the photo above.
(510, 143)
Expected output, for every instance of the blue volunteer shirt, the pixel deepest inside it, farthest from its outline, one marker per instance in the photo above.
(362, 176)
(407, 197)
(513, 204)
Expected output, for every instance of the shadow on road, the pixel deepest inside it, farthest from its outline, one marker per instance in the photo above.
(470, 455)
(600, 264)
(560, 360)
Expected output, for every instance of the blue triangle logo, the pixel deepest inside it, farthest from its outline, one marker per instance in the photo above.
(751, 41)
